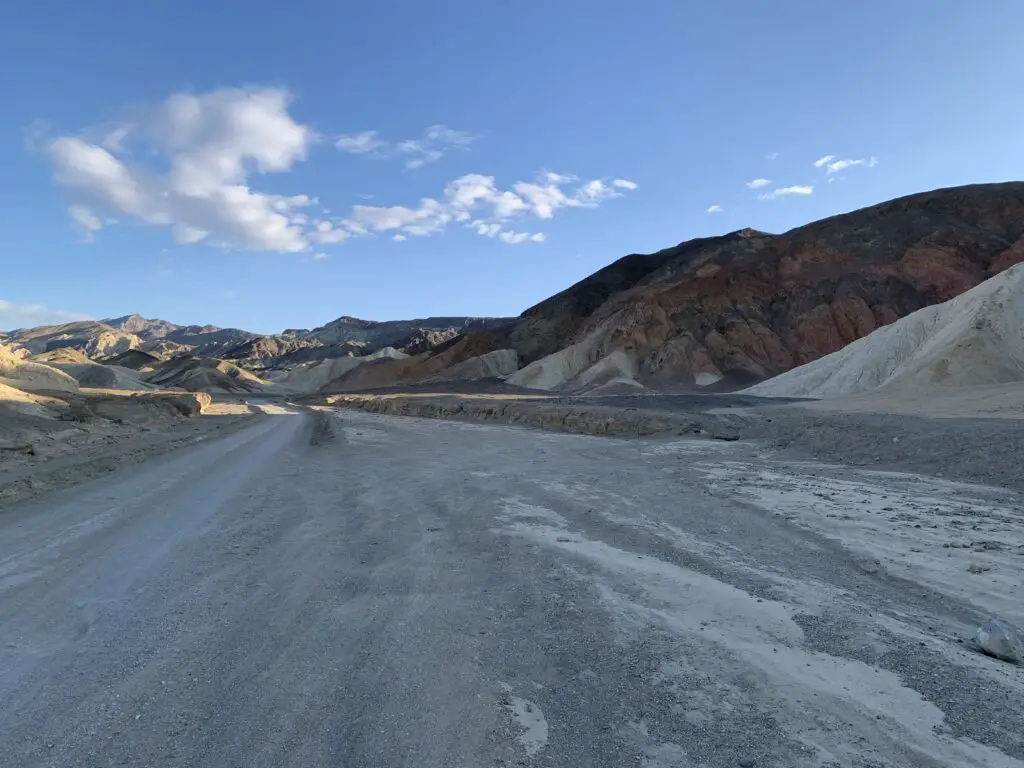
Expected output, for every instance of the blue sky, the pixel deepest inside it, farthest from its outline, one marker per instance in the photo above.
(269, 165)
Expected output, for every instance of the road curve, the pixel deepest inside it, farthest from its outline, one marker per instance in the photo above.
(372, 592)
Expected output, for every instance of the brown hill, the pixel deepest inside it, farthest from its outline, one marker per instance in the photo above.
(265, 351)
(205, 374)
(132, 358)
(749, 305)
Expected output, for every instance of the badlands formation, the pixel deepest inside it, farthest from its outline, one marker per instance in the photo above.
(791, 582)
(892, 307)
(714, 314)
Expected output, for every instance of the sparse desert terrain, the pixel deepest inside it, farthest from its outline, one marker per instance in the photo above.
(752, 501)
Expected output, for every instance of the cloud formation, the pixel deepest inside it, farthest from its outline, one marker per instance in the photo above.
(365, 143)
(210, 144)
(786, 191)
(435, 143)
(758, 183)
(14, 315)
(185, 164)
(824, 160)
(842, 165)
(475, 201)
(714, 209)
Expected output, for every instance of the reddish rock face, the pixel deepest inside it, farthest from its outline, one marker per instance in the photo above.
(751, 305)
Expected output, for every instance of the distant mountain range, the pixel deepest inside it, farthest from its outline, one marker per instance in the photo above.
(346, 335)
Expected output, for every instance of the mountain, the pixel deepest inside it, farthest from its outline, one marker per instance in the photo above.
(720, 312)
(396, 333)
(739, 308)
(141, 327)
(337, 338)
(267, 351)
(94, 338)
(204, 339)
(976, 338)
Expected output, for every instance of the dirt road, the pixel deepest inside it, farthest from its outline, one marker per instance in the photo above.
(371, 591)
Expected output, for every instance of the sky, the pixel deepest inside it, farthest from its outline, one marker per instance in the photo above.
(267, 166)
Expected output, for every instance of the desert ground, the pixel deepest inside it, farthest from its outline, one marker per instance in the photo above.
(751, 501)
(314, 585)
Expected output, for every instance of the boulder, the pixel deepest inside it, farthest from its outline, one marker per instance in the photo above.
(999, 640)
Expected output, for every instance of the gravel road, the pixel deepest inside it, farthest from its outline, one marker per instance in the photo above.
(369, 591)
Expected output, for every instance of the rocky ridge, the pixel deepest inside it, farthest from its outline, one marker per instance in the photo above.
(746, 306)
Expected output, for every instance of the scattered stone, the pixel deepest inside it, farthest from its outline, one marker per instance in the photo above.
(999, 640)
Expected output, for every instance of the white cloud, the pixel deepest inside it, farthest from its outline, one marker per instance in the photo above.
(326, 233)
(824, 160)
(209, 144)
(515, 238)
(594, 192)
(233, 294)
(363, 143)
(772, 156)
(320, 256)
(475, 201)
(546, 197)
(558, 178)
(758, 183)
(543, 200)
(785, 191)
(399, 238)
(14, 315)
(185, 165)
(430, 217)
(435, 143)
(485, 229)
(714, 209)
(842, 165)
(86, 220)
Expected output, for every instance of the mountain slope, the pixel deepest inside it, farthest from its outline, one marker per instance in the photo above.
(204, 339)
(94, 338)
(974, 339)
(394, 333)
(746, 306)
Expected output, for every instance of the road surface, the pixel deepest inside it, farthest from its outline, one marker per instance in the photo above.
(370, 591)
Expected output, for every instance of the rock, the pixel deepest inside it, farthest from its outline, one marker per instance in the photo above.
(145, 407)
(189, 404)
(999, 640)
